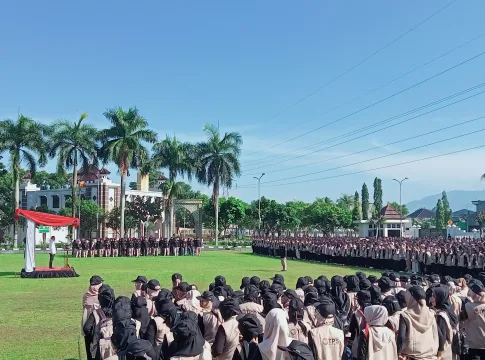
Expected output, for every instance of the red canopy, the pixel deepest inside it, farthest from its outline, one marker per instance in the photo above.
(41, 218)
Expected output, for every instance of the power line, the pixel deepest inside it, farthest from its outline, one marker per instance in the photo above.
(374, 169)
(371, 105)
(385, 84)
(375, 147)
(377, 124)
(380, 157)
(359, 63)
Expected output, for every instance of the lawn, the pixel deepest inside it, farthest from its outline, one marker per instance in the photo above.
(40, 318)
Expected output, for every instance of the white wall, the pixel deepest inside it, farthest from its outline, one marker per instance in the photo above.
(60, 234)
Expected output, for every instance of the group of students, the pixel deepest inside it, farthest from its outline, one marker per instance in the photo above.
(352, 317)
(137, 247)
(450, 256)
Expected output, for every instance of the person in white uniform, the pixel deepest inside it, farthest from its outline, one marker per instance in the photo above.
(52, 250)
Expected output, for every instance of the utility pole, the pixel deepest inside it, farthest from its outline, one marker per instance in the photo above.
(400, 201)
(259, 200)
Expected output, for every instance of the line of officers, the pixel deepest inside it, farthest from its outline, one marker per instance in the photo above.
(135, 247)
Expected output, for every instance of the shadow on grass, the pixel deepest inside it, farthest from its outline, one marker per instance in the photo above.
(8, 273)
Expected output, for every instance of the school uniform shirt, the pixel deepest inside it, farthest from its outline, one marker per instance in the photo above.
(326, 342)
(52, 247)
(226, 340)
(209, 322)
(475, 325)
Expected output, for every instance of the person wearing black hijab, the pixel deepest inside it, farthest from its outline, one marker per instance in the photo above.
(364, 284)
(340, 297)
(250, 329)
(255, 281)
(375, 293)
(446, 320)
(297, 326)
(140, 315)
(227, 336)
(264, 286)
(357, 320)
(245, 282)
(106, 299)
(188, 341)
(251, 301)
(158, 331)
(352, 282)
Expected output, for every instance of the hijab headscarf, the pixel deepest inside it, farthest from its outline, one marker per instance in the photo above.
(364, 284)
(106, 299)
(376, 317)
(364, 299)
(188, 341)
(140, 312)
(249, 327)
(192, 299)
(352, 283)
(251, 294)
(339, 296)
(442, 299)
(276, 333)
(421, 317)
(375, 293)
(229, 308)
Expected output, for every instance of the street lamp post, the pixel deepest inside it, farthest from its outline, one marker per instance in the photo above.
(259, 200)
(400, 201)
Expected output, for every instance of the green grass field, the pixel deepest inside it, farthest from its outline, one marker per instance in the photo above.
(41, 318)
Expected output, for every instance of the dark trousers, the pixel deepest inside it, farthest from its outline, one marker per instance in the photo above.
(51, 260)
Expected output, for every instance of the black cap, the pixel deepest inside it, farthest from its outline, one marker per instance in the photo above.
(95, 280)
(385, 283)
(404, 278)
(255, 280)
(476, 286)
(417, 292)
(184, 287)
(153, 284)
(245, 282)
(177, 276)
(207, 296)
(298, 349)
(279, 278)
(372, 279)
(326, 309)
(140, 279)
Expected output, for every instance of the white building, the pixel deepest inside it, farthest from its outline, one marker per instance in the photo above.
(391, 227)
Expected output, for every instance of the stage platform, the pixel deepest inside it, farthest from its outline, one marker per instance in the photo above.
(46, 273)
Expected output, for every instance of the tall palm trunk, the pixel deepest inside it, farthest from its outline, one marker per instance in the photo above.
(16, 206)
(122, 203)
(73, 195)
(215, 198)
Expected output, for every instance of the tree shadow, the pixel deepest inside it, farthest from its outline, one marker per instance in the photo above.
(9, 273)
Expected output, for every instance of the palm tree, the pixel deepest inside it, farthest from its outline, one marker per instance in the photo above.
(122, 144)
(346, 201)
(218, 163)
(176, 156)
(75, 144)
(23, 139)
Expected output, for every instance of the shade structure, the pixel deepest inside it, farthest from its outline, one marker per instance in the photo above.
(35, 218)
(40, 218)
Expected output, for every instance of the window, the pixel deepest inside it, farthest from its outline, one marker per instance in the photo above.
(370, 226)
(43, 200)
(389, 226)
(55, 201)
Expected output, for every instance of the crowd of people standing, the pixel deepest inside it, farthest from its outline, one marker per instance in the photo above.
(447, 256)
(352, 317)
(136, 247)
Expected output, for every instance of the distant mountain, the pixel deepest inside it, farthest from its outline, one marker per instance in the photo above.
(459, 199)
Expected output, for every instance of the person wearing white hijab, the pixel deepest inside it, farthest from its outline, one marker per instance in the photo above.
(276, 333)
(377, 342)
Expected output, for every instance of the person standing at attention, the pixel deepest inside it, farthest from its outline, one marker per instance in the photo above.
(52, 250)
(283, 255)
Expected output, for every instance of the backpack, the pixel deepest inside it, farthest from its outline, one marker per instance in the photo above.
(104, 331)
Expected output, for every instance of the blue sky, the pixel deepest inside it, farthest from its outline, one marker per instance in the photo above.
(243, 64)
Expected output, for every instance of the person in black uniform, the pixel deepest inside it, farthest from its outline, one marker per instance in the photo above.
(173, 246)
(156, 246)
(283, 254)
(137, 247)
(165, 248)
(150, 246)
(115, 247)
(190, 246)
(99, 247)
(107, 248)
(84, 246)
(143, 246)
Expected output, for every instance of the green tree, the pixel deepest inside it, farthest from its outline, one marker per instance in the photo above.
(346, 201)
(440, 215)
(113, 220)
(75, 144)
(293, 215)
(448, 213)
(90, 216)
(122, 144)
(23, 139)
(218, 162)
(480, 217)
(403, 210)
(356, 216)
(184, 219)
(365, 202)
(53, 180)
(327, 217)
(176, 156)
(377, 196)
(231, 212)
(44, 208)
